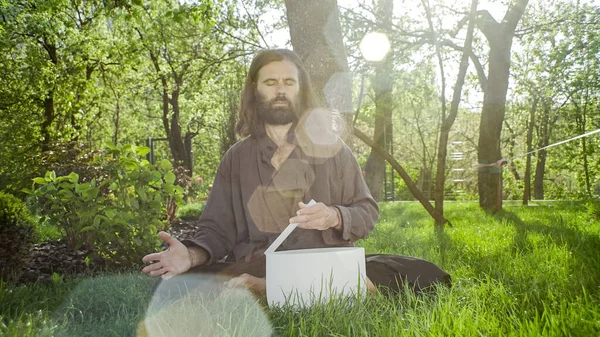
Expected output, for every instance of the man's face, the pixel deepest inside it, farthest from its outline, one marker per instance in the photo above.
(277, 89)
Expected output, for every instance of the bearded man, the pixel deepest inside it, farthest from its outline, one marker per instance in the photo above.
(289, 156)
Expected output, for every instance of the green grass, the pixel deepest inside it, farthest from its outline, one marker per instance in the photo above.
(528, 271)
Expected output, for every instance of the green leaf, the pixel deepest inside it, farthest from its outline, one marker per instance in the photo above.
(73, 177)
(97, 219)
(81, 188)
(66, 195)
(166, 165)
(56, 278)
(50, 176)
(170, 178)
(142, 150)
(156, 176)
(110, 213)
(86, 229)
(142, 194)
(131, 165)
(91, 192)
(39, 180)
(65, 185)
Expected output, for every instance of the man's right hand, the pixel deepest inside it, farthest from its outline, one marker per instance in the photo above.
(177, 259)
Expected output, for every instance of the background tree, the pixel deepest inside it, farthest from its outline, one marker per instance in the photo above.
(316, 36)
(499, 36)
(375, 167)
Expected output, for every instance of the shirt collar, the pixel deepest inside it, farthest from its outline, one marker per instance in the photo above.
(266, 143)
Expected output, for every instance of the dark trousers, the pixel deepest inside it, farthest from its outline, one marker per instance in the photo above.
(389, 273)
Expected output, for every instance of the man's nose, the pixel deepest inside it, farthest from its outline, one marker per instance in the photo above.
(281, 87)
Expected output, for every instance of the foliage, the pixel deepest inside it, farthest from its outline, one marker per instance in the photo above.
(82, 72)
(197, 189)
(593, 208)
(190, 211)
(16, 231)
(116, 215)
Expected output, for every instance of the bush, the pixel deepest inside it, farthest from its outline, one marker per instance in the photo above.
(190, 211)
(197, 189)
(16, 231)
(116, 215)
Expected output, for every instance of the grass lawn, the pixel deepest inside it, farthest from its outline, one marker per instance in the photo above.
(528, 271)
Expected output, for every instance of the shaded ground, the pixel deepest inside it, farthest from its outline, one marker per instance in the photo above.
(55, 257)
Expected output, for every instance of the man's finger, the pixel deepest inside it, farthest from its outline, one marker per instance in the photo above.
(168, 239)
(297, 219)
(313, 224)
(152, 257)
(312, 209)
(152, 267)
(158, 272)
(166, 276)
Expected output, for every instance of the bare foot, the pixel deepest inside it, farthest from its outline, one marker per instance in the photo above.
(255, 284)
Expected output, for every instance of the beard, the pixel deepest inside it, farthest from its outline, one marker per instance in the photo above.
(277, 115)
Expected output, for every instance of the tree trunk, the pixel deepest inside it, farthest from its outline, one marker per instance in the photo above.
(181, 155)
(439, 218)
(586, 169)
(543, 141)
(49, 112)
(383, 86)
(581, 119)
(316, 35)
(424, 182)
(181, 152)
(47, 122)
(228, 137)
(527, 178)
(499, 36)
(447, 122)
(117, 119)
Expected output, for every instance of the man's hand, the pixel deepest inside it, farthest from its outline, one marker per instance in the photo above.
(177, 259)
(317, 216)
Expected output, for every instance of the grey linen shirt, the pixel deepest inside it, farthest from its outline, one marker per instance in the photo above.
(251, 202)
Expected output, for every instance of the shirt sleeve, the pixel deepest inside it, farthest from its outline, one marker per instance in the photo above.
(217, 230)
(358, 208)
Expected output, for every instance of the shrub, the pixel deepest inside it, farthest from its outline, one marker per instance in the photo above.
(190, 211)
(116, 215)
(197, 189)
(16, 231)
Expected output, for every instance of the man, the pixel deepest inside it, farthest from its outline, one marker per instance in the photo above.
(290, 155)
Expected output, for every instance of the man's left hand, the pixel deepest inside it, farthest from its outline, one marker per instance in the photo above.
(317, 216)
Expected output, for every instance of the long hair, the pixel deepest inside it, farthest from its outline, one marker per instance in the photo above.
(250, 123)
